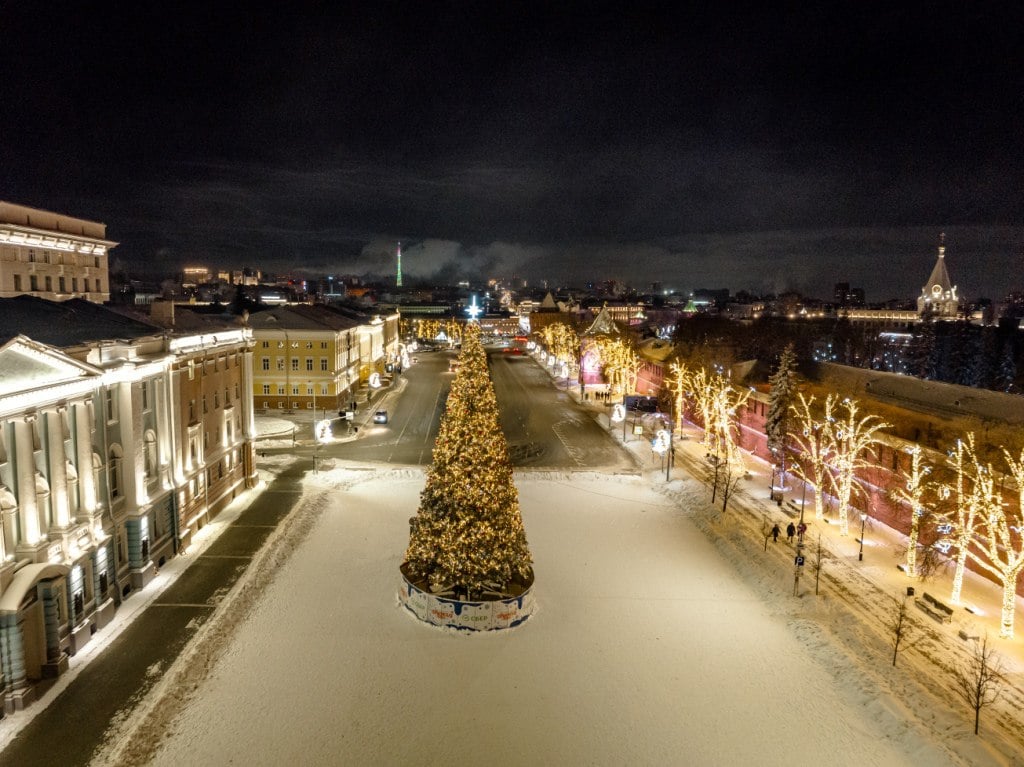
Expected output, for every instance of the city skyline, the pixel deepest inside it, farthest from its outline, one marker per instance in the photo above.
(763, 151)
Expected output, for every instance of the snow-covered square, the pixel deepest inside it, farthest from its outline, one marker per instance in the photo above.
(649, 646)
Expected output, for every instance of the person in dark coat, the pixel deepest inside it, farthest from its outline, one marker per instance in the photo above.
(790, 532)
(775, 533)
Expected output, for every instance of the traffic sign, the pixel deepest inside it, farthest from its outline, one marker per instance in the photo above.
(799, 561)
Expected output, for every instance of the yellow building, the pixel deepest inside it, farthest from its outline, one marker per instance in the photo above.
(318, 356)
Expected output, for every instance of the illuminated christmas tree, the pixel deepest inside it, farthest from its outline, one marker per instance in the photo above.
(467, 537)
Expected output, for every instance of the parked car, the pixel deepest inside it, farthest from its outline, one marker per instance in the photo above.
(381, 416)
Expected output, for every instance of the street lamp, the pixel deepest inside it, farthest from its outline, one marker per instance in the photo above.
(771, 487)
(863, 519)
(312, 388)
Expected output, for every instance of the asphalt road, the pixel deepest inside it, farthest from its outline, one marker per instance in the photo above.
(545, 428)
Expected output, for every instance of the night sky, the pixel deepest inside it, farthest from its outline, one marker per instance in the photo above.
(763, 150)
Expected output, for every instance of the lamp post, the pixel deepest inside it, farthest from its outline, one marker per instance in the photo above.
(771, 487)
(671, 455)
(863, 519)
(316, 438)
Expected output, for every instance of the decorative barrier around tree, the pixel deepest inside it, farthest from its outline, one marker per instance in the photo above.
(485, 615)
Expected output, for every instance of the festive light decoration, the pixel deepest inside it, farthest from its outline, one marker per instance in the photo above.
(853, 438)
(913, 495)
(963, 495)
(467, 537)
(813, 440)
(447, 330)
(999, 545)
(562, 343)
(776, 423)
(677, 384)
(620, 363)
(716, 402)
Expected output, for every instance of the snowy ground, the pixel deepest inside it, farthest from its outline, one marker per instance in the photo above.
(664, 636)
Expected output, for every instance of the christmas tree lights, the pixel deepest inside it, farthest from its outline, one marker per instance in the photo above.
(999, 544)
(965, 496)
(467, 538)
(813, 440)
(913, 494)
(852, 440)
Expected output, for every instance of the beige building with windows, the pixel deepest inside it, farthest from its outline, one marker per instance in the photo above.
(52, 256)
(317, 355)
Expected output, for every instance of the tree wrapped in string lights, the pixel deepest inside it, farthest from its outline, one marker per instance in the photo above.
(813, 441)
(678, 385)
(964, 496)
(852, 439)
(916, 488)
(563, 342)
(620, 363)
(467, 538)
(998, 540)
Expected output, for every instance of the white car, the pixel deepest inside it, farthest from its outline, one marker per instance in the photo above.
(381, 416)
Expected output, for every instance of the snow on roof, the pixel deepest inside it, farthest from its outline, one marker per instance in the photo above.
(939, 398)
(603, 325)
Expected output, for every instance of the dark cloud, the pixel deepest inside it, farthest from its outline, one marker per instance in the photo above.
(558, 141)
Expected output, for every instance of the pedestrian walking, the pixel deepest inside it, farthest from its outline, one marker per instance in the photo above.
(775, 533)
(790, 532)
(801, 529)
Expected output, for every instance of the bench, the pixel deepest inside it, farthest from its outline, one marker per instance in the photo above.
(940, 612)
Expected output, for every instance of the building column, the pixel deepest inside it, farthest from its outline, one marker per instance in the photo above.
(25, 485)
(56, 460)
(88, 501)
(248, 419)
(165, 437)
(129, 413)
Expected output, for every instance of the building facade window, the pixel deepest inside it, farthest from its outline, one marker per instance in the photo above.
(265, 363)
(309, 363)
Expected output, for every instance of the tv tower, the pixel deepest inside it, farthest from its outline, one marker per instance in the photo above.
(398, 276)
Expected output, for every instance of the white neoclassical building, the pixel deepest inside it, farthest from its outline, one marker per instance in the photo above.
(112, 454)
(52, 256)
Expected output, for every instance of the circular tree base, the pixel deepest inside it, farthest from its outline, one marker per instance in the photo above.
(481, 615)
